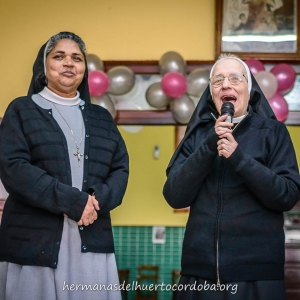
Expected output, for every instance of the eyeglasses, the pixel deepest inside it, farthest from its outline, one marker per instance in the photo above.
(233, 78)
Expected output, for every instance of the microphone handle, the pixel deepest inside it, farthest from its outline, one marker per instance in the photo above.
(228, 119)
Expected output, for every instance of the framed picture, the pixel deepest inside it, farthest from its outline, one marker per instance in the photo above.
(292, 98)
(158, 234)
(262, 29)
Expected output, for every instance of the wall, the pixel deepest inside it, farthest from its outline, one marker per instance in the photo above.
(294, 133)
(134, 247)
(143, 203)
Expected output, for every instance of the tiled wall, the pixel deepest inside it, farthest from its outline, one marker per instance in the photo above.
(134, 247)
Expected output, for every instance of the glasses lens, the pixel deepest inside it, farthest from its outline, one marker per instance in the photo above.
(217, 80)
(235, 78)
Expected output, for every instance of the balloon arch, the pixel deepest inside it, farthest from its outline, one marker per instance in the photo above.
(178, 89)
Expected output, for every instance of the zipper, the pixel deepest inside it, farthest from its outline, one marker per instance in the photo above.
(221, 206)
(220, 200)
(218, 274)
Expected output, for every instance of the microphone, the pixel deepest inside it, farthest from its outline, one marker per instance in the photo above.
(227, 109)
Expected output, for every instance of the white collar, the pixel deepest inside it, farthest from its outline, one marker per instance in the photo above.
(238, 119)
(49, 95)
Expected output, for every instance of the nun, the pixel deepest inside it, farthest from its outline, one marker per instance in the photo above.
(237, 176)
(65, 167)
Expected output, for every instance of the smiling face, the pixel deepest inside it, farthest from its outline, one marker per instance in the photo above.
(65, 67)
(238, 95)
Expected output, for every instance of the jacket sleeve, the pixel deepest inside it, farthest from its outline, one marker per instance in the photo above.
(111, 192)
(28, 183)
(277, 184)
(189, 170)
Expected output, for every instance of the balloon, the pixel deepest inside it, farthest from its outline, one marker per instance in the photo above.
(106, 102)
(121, 80)
(156, 97)
(98, 83)
(197, 82)
(279, 106)
(182, 109)
(255, 65)
(172, 62)
(94, 62)
(174, 84)
(286, 77)
(267, 82)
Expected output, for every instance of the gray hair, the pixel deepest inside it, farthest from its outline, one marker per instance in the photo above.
(232, 56)
(52, 42)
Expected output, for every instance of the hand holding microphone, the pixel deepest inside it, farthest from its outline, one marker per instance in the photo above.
(226, 144)
(223, 124)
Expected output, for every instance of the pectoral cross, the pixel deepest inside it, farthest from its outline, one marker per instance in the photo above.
(78, 154)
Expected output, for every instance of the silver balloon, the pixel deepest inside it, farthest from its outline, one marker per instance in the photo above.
(197, 81)
(172, 62)
(94, 62)
(106, 102)
(156, 97)
(121, 80)
(182, 109)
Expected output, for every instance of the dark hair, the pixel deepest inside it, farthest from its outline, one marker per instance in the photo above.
(52, 42)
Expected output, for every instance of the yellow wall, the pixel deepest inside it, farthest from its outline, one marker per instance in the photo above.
(112, 29)
(143, 203)
(294, 133)
(115, 30)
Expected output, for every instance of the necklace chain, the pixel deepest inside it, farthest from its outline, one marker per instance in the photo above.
(77, 153)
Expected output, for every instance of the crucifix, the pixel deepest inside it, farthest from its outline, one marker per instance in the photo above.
(78, 154)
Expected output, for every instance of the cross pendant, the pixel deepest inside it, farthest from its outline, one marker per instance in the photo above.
(78, 154)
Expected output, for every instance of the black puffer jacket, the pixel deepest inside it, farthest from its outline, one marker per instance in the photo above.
(235, 227)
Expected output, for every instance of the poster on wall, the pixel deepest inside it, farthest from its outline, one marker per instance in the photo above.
(158, 234)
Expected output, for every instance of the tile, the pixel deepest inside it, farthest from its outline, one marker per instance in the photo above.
(134, 247)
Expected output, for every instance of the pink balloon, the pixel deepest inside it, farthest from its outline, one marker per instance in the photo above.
(174, 84)
(98, 83)
(279, 106)
(286, 77)
(255, 65)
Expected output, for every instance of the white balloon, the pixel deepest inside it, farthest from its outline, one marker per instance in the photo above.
(267, 82)
(132, 128)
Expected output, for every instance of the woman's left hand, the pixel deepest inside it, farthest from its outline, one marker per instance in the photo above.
(89, 214)
(226, 145)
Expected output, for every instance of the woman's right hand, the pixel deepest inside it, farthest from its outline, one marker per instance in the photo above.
(89, 214)
(222, 127)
